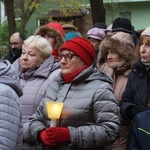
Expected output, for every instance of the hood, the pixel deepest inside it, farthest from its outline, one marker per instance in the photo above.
(96, 74)
(120, 43)
(124, 38)
(47, 30)
(9, 76)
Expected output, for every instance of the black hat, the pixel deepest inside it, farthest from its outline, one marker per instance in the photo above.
(100, 25)
(122, 24)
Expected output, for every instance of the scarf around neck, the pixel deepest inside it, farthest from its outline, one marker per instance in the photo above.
(27, 73)
(68, 79)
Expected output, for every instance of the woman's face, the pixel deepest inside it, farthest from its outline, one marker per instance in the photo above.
(70, 62)
(30, 58)
(51, 40)
(145, 51)
(94, 42)
(112, 56)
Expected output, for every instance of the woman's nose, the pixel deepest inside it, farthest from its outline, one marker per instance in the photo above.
(109, 56)
(25, 56)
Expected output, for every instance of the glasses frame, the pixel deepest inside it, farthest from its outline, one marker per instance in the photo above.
(67, 57)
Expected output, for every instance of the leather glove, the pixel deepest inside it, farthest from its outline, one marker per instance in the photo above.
(54, 135)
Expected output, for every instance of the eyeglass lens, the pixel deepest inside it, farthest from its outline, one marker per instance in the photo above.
(67, 57)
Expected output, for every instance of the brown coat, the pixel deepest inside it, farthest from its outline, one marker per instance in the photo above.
(119, 73)
(121, 44)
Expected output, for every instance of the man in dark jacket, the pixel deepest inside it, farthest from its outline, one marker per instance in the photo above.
(16, 42)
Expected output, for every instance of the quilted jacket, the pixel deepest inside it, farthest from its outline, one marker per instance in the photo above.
(137, 91)
(34, 88)
(10, 109)
(90, 111)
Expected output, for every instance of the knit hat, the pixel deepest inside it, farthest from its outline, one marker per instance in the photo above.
(57, 26)
(146, 31)
(70, 35)
(96, 33)
(82, 47)
(122, 24)
(100, 25)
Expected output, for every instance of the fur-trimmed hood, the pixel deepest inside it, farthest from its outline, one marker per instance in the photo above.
(47, 30)
(122, 44)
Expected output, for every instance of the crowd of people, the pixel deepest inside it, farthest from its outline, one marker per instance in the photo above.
(103, 81)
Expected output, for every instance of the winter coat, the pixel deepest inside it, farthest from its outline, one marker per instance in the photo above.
(10, 109)
(139, 138)
(90, 111)
(119, 73)
(34, 88)
(134, 99)
(122, 45)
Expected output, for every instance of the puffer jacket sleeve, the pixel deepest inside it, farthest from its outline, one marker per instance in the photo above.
(10, 119)
(106, 118)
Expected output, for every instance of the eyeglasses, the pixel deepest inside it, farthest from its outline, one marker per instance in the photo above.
(67, 57)
(15, 43)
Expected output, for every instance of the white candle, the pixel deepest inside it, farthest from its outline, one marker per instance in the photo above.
(54, 110)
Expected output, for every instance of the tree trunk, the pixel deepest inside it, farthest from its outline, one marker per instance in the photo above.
(98, 11)
(9, 5)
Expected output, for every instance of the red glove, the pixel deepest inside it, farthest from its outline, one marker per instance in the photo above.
(54, 135)
(44, 138)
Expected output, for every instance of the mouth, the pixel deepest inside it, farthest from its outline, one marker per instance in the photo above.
(24, 63)
(143, 57)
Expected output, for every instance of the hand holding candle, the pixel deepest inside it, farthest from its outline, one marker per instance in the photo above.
(54, 110)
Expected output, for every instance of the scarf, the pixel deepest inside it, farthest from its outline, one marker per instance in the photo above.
(68, 79)
(27, 73)
(55, 53)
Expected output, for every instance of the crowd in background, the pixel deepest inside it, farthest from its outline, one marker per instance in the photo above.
(102, 79)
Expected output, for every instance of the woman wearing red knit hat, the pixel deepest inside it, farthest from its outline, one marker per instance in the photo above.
(89, 118)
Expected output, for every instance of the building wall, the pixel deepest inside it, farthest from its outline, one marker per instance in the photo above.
(140, 13)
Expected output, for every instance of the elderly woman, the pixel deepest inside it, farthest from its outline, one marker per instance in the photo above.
(89, 119)
(116, 58)
(137, 95)
(134, 99)
(38, 69)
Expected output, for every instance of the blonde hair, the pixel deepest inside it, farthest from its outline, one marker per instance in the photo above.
(39, 43)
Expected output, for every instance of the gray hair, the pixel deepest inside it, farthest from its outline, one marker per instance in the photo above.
(39, 43)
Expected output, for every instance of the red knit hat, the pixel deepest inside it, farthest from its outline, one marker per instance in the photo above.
(57, 26)
(82, 47)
